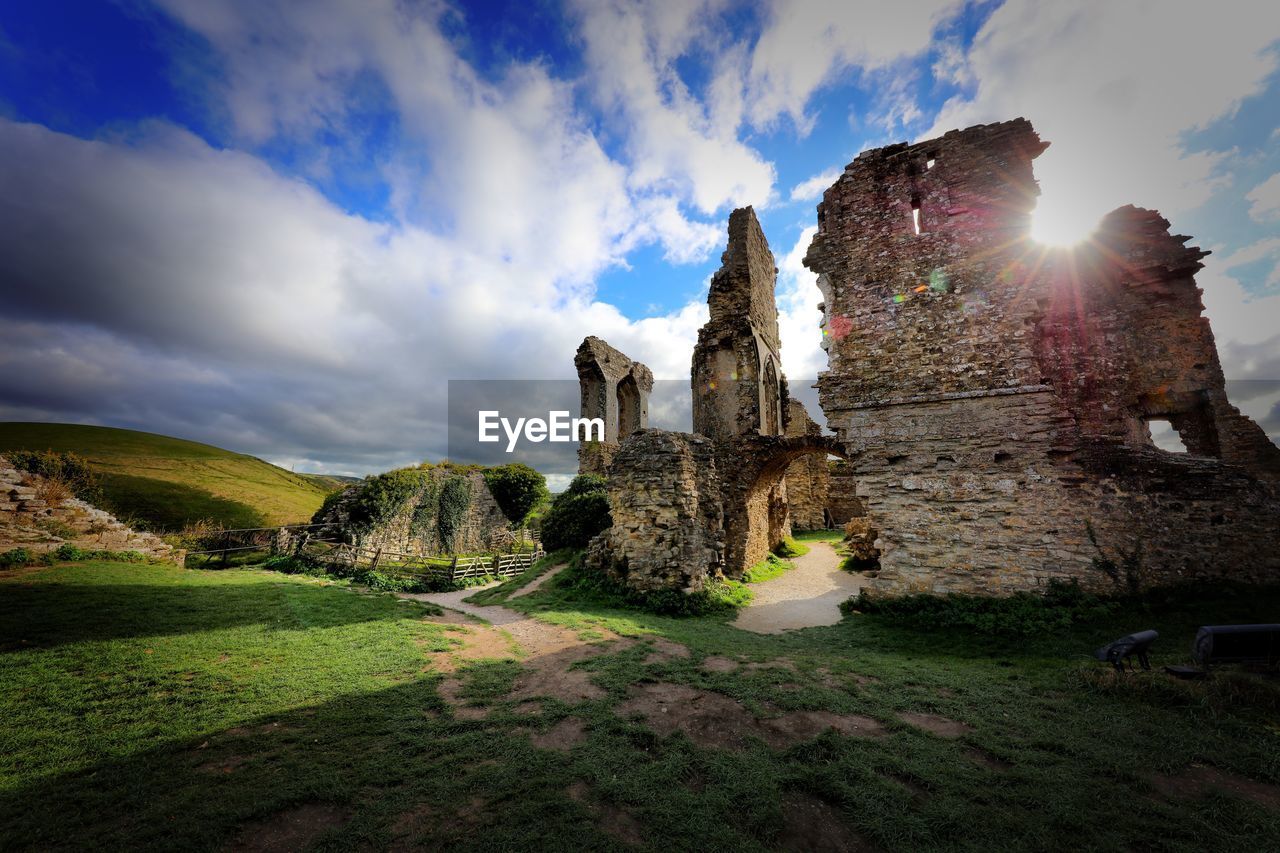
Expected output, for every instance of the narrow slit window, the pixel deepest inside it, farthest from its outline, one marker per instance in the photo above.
(929, 165)
(915, 214)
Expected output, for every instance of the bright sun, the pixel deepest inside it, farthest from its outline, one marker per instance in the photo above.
(1060, 225)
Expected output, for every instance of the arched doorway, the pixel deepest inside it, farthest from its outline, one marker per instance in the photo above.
(629, 419)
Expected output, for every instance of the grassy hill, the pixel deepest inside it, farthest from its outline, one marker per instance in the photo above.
(165, 482)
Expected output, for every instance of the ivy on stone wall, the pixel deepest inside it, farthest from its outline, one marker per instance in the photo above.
(455, 497)
(423, 522)
(383, 496)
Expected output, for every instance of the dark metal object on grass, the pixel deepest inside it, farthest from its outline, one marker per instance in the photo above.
(1122, 649)
(1258, 644)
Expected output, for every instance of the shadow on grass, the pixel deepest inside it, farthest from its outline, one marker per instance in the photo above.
(45, 615)
(166, 506)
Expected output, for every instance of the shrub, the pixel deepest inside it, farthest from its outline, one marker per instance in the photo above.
(382, 496)
(517, 488)
(574, 519)
(718, 596)
(585, 484)
(1021, 614)
(16, 558)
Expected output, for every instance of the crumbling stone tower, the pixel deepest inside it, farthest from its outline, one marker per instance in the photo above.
(615, 389)
(995, 395)
(738, 387)
(687, 507)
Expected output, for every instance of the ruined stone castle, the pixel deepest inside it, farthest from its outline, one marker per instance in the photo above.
(992, 398)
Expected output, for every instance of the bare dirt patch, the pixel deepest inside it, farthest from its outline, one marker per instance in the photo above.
(665, 650)
(798, 726)
(551, 676)
(561, 737)
(292, 829)
(989, 761)
(939, 725)
(428, 819)
(810, 824)
(713, 720)
(224, 765)
(611, 819)
(716, 663)
(1199, 779)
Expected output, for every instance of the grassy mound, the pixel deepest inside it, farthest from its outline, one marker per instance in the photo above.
(164, 483)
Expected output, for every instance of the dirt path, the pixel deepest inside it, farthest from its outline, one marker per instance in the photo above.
(807, 596)
(540, 580)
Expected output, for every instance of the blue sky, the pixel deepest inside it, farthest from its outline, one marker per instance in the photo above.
(280, 227)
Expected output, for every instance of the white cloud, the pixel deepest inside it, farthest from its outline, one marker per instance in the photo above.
(798, 316)
(676, 141)
(813, 188)
(1112, 87)
(1265, 198)
(805, 45)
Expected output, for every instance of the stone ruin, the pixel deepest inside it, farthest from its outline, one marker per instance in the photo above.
(991, 398)
(689, 506)
(616, 390)
(34, 518)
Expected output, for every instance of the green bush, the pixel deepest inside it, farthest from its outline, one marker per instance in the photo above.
(577, 514)
(382, 496)
(16, 558)
(1021, 614)
(517, 488)
(67, 553)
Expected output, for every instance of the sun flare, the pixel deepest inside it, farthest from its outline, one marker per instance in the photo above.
(1060, 227)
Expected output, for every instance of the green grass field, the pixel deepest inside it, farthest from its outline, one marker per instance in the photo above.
(166, 483)
(148, 706)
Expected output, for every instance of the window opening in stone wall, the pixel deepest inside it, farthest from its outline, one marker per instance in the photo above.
(929, 165)
(915, 214)
(1164, 436)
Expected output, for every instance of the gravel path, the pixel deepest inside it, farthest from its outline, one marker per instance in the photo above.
(804, 597)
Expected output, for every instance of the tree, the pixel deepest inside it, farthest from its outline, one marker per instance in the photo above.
(517, 488)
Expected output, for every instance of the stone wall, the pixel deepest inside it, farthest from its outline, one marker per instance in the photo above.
(614, 389)
(737, 383)
(668, 523)
(31, 518)
(994, 395)
(807, 479)
(484, 527)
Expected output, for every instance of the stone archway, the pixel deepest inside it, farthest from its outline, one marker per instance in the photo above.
(755, 496)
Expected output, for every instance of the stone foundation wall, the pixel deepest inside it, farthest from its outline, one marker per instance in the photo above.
(484, 527)
(668, 525)
(807, 480)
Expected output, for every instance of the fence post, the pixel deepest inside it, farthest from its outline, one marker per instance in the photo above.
(226, 543)
(453, 569)
(377, 555)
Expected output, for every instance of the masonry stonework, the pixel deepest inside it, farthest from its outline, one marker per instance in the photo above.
(995, 395)
(687, 507)
(616, 390)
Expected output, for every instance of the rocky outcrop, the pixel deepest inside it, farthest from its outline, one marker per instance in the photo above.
(37, 515)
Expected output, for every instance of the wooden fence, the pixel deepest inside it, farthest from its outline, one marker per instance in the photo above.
(449, 569)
